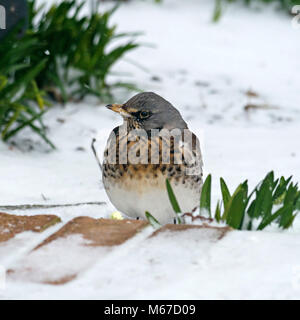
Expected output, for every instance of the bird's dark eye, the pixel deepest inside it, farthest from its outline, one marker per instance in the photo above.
(144, 114)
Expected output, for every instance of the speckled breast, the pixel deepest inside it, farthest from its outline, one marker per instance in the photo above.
(135, 173)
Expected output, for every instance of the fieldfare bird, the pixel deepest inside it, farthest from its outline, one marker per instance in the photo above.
(153, 144)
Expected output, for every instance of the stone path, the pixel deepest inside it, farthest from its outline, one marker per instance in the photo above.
(71, 249)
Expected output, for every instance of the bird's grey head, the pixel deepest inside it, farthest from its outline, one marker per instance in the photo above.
(148, 111)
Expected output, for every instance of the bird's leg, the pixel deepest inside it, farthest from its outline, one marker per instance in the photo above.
(175, 220)
(137, 218)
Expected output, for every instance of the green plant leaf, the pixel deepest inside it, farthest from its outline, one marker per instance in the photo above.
(205, 198)
(154, 223)
(172, 197)
(235, 212)
(11, 121)
(264, 203)
(217, 11)
(173, 200)
(13, 90)
(225, 193)
(279, 193)
(268, 220)
(218, 214)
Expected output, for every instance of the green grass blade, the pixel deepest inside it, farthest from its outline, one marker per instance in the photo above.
(264, 203)
(235, 212)
(153, 222)
(11, 121)
(172, 197)
(218, 214)
(29, 122)
(22, 126)
(279, 193)
(217, 11)
(268, 220)
(225, 193)
(173, 200)
(13, 90)
(205, 199)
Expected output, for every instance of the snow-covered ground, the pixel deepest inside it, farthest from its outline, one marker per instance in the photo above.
(210, 72)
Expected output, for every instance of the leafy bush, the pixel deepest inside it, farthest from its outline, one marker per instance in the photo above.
(63, 55)
(272, 201)
(76, 49)
(22, 103)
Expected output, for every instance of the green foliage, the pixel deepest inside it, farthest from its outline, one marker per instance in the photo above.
(225, 193)
(234, 213)
(63, 55)
(78, 49)
(283, 4)
(173, 200)
(272, 201)
(217, 11)
(22, 103)
(205, 199)
(154, 223)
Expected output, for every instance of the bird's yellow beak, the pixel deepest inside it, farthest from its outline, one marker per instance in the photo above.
(119, 109)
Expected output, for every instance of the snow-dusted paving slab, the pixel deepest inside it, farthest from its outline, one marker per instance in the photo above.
(155, 266)
(99, 232)
(174, 262)
(194, 264)
(20, 234)
(73, 249)
(10, 224)
(214, 233)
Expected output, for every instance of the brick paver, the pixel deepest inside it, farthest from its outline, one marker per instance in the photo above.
(10, 224)
(219, 233)
(82, 242)
(101, 232)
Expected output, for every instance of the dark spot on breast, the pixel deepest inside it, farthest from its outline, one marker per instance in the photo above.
(171, 174)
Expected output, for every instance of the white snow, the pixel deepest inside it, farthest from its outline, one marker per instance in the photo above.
(38, 265)
(204, 69)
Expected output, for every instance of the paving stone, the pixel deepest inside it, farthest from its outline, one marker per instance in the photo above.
(170, 259)
(10, 224)
(218, 232)
(84, 242)
(101, 232)
(74, 248)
